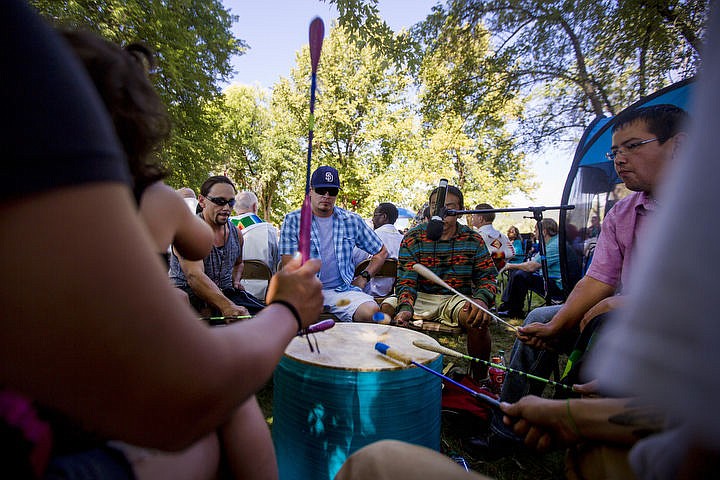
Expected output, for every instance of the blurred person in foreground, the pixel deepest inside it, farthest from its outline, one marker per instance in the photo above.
(110, 346)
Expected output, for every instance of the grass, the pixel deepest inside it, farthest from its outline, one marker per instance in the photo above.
(519, 466)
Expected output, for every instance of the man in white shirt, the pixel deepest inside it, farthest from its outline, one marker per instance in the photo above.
(497, 243)
(383, 221)
(260, 239)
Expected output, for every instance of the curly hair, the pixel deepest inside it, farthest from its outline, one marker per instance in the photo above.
(121, 78)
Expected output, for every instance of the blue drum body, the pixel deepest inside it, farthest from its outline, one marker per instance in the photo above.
(328, 405)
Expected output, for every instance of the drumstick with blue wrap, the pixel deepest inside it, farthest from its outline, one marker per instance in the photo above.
(402, 358)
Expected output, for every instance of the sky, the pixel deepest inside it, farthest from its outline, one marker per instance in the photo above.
(276, 29)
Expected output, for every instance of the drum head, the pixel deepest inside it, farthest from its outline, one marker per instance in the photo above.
(351, 346)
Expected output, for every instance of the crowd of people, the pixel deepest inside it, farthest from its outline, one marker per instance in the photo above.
(106, 372)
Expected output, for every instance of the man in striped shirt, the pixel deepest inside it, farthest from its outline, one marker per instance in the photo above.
(461, 259)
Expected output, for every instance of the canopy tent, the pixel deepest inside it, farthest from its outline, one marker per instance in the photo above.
(593, 186)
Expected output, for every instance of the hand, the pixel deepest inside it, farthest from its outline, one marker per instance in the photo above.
(541, 422)
(403, 318)
(298, 285)
(475, 317)
(538, 335)
(234, 310)
(589, 389)
(359, 282)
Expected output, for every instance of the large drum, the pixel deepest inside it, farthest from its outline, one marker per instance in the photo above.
(329, 404)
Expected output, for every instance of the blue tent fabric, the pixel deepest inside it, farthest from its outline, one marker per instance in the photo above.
(592, 182)
(405, 213)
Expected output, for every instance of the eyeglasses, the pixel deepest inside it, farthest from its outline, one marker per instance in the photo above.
(221, 202)
(330, 191)
(625, 149)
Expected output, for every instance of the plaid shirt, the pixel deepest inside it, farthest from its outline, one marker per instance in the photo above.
(349, 230)
(462, 262)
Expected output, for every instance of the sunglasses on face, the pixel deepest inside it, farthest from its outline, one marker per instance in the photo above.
(330, 191)
(221, 202)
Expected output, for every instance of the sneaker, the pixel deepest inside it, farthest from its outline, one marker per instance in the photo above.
(494, 443)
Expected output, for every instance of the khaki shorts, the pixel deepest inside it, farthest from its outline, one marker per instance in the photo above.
(437, 308)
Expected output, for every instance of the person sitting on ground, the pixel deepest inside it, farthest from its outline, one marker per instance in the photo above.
(514, 236)
(335, 232)
(499, 246)
(555, 329)
(383, 221)
(528, 275)
(260, 239)
(461, 259)
(214, 282)
(112, 348)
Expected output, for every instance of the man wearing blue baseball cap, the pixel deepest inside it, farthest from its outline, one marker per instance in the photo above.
(334, 234)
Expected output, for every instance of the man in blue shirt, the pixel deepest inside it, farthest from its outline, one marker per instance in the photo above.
(528, 275)
(334, 234)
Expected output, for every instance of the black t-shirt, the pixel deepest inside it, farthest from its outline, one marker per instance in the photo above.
(55, 130)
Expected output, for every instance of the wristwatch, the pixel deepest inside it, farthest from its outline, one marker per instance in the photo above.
(366, 275)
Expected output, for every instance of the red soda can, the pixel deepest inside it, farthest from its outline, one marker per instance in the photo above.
(497, 375)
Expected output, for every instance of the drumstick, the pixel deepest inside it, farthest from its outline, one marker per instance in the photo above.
(317, 31)
(225, 320)
(447, 351)
(402, 358)
(318, 327)
(428, 274)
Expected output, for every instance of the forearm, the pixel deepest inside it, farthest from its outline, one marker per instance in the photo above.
(377, 260)
(621, 420)
(206, 289)
(586, 294)
(140, 358)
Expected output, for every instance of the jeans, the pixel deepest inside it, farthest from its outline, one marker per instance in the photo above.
(532, 360)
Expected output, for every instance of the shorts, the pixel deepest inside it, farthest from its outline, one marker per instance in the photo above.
(443, 308)
(346, 312)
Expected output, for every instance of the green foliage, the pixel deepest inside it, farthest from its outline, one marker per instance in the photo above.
(566, 61)
(193, 43)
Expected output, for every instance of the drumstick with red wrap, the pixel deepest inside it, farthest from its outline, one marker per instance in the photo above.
(402, 358)
(317, 31)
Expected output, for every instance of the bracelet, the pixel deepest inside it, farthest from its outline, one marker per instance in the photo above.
(573, 425)
(292, 309)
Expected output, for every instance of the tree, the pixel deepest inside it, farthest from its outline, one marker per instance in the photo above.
(571, 60)
(193, 43)
(361, 116)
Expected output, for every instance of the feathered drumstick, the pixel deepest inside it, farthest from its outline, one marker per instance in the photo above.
(317, 31)
(428, 274)
(447, 351)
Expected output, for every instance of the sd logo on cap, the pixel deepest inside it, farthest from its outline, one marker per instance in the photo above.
(325, 176)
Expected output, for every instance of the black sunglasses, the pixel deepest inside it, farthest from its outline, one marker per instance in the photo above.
(331, 191)
(221, 202)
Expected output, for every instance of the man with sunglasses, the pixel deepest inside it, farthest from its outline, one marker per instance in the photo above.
(214, 282)
(383, 220)
(335, 232)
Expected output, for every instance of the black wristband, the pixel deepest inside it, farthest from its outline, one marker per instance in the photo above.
(292, 309)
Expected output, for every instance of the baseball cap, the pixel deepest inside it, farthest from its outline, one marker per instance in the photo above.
(325, 176)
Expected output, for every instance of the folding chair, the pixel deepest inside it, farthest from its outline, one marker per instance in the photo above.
(257, 270)
(387, 270)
